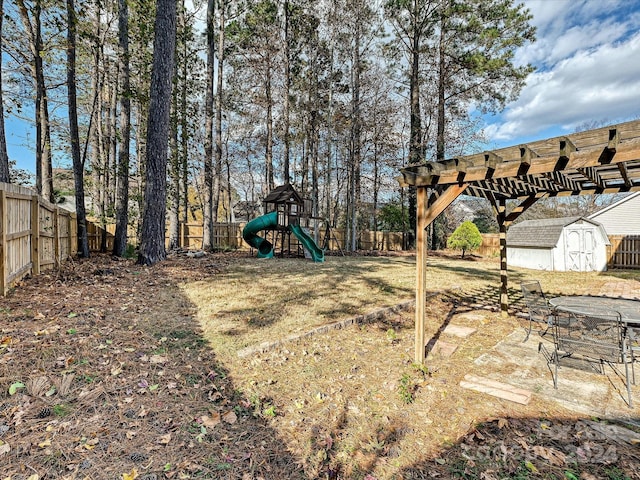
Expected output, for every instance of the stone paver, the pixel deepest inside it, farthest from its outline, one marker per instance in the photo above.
(520, 364)
(444, 349)
(496, 389)
(459, 331)
(620, 289)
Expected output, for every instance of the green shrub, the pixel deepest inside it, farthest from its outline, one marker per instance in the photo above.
(466, 238)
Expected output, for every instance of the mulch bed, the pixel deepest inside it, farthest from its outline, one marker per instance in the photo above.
(119, 383)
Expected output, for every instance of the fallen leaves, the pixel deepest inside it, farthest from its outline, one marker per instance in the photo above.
(15, 386)
(157, 359)
(555, 457)
(46, 443)
(130, 476)
(136, 382)
(38, 386)
(210, 421)
(4, 448)
(230, 417)
(64, 384)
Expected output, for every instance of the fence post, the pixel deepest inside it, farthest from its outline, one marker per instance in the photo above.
(3, 242)
(56, 237)
(73, 234)
(35, 234)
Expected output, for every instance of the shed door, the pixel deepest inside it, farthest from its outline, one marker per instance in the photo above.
(580, 243)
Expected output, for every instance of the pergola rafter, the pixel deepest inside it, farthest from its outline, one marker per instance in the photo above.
(604, 160)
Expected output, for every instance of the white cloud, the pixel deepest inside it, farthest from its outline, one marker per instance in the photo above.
(588, 68)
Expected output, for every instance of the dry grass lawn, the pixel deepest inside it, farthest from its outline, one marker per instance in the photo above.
(351, 403)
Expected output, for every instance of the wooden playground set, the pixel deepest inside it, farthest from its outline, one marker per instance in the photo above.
(287, 226)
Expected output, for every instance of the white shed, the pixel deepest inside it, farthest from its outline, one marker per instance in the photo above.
(559, 244)
(622, 217)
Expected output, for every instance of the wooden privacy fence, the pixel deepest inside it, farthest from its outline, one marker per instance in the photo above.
(490, 246)
(225, 235)
(35, 235)
(229, 236)
(624, 251)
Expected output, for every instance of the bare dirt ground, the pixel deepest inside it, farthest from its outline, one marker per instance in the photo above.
(105, 373)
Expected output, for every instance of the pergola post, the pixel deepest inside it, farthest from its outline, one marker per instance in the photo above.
(502, 225)
(421, 273)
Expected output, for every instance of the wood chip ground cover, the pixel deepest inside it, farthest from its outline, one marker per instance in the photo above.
(119, 372)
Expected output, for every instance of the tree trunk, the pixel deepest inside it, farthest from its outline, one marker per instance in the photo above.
(416, 149)
(376, 187)
(111, 160)
(184, 135)
(47, 167)
(174, 151)
(287, 87)
(4, 158)
(219, 93)
(122, 184)
(269, 180)
(152, 248)
(442, 78)
(356, 137)
(142, 112)
(78, 165)
(33, 28)
(207, 207)
(436, 225)
(95, 133)
(174, 176)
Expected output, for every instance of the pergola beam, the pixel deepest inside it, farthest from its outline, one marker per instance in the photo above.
(624, 173)
(592, 174)
(439, 200)
(592, 157)
(523, 207)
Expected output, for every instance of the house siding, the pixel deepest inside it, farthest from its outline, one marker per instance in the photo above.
(622, 218)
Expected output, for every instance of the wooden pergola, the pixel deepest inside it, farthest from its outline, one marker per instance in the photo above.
(604, 160)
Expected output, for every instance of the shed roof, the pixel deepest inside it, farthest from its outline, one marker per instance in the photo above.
(542, 233)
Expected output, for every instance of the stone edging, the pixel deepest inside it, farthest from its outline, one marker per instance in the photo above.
(378, 314)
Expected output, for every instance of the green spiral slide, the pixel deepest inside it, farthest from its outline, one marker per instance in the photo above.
(265, 248)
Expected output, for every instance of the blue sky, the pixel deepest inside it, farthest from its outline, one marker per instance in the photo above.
(20, 134)
(587, 59)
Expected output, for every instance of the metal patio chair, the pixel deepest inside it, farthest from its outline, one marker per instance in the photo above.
(598, 337)
(539, 309)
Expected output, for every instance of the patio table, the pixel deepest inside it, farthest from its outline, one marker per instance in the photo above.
(629, 309)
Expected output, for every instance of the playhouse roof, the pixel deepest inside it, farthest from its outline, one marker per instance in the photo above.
(283, 194)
